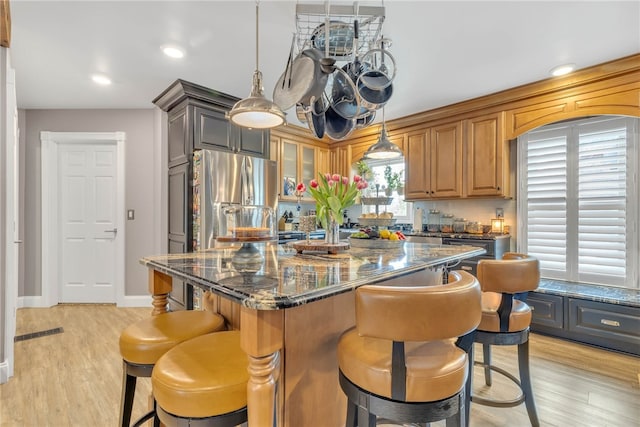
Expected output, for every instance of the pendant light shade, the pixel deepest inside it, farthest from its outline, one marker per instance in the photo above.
(384, 148)
(256, 111)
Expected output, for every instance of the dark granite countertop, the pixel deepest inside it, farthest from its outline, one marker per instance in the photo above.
(459, 235)
(599, 293)
(270, 277)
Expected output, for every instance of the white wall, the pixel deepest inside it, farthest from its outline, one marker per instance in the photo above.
(141, 191)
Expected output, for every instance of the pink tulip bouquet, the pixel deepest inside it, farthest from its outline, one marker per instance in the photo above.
(333, 194)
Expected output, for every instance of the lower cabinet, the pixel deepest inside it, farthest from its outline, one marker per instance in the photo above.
(547, 310)
(612, 326)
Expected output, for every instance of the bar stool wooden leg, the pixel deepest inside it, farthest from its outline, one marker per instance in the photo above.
(525, 380)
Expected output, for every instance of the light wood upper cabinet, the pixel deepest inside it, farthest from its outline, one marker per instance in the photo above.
(300, 162)
(340, 160)
(486, 156)
(323, 160)
(446, 160)
(417, 174)
(434, 163)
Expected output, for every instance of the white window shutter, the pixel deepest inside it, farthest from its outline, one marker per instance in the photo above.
(602, 194)
(578, 207)
(546, 188)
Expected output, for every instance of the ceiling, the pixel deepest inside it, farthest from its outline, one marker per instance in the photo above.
(446, 51)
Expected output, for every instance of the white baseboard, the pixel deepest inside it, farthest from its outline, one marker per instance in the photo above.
(135, 301)
(5, 372)
(127, 301)
(32, 302)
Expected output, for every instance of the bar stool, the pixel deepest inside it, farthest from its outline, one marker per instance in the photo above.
(401, 362)
(142, 344)
(505, 321)
(203, 382)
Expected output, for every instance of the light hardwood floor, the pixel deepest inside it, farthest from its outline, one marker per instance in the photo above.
(74, 378)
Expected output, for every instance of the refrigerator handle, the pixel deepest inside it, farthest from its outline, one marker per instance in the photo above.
(248, 191)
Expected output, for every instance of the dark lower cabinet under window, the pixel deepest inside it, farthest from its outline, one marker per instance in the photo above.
(607, 325)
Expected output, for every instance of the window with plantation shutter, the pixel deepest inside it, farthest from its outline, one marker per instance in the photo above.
(578, 204)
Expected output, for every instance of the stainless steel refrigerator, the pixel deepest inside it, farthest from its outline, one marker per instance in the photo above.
(221, 179)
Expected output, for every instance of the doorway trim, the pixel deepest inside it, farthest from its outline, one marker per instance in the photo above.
(49, 211)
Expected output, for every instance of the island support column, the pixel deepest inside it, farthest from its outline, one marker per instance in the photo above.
(160, 285)
(262, 338)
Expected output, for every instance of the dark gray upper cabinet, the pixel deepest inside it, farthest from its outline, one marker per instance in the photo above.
(179, 140)
(250, 141)
(211, 129)
(197, 120)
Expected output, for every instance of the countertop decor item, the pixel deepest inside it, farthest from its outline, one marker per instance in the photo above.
(333, 194)
(256, 111)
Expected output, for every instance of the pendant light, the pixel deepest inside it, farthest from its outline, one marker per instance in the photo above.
(384, 148)
(256, 111)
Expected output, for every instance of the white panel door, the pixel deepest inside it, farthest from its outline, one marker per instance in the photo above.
(87, 222)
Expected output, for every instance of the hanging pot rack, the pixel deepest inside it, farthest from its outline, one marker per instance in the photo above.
(340, 35)
(312, 21)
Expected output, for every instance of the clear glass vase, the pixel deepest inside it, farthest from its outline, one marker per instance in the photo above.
(332, 233)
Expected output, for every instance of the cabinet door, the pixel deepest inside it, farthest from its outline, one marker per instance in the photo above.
(341, 160)
(249, 141)
(180, 199)
(307, 163)
(211, 130)
(179, 141)
(446, 161)
(289, 168)
(323, 161)
(547, 310)
(416, 186)
(486, 156)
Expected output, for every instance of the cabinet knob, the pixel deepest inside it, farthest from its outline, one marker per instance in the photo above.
(498, 188)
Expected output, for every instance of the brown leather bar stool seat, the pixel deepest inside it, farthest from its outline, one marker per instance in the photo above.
(406, 358)
(142, 344)
(202, 382)
(506, 321)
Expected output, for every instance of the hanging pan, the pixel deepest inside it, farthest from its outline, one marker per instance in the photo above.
(294, 83)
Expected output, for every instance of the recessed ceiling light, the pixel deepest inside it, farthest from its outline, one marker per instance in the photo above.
(101, 79)
(173, 51)
(561, 70)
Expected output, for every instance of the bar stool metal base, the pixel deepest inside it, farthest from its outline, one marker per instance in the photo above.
(521, 339)
(230, 419)
(364, 408)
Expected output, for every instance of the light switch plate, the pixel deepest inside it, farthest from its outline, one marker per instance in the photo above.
(131, 214)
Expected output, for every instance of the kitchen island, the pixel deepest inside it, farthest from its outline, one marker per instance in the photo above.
(291, 309)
